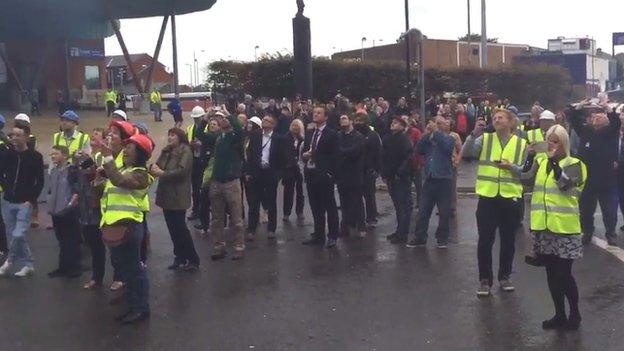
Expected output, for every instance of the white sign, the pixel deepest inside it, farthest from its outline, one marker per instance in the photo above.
(3, 69)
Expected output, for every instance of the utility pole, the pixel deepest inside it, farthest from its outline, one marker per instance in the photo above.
(484, 44)
(408, 63)
(469, 37)
(174, 42)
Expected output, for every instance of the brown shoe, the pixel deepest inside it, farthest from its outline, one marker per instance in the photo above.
(238, 255)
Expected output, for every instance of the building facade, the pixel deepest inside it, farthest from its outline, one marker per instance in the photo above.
(118, 73)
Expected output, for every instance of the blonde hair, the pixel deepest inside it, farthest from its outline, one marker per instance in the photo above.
(562, 135)
(298, 123)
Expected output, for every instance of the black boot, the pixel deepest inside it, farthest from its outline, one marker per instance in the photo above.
(556, 322)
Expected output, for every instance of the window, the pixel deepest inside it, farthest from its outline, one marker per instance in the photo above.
(475, 51)
(92, 77)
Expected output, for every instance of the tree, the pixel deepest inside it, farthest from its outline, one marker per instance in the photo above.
(476, 38)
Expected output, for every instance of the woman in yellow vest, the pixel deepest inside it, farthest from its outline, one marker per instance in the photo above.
(122, 205)
(558, 181)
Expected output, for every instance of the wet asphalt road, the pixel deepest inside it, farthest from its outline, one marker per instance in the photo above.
(364, 295)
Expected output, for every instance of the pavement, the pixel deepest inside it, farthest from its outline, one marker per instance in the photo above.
(364, 295)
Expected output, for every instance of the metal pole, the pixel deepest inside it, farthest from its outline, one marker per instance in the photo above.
(421, 65)
(469, 37)
(124, 49)
(408, 64)
(67, 72)
(150, 71)
(175, 53)
(484, 46)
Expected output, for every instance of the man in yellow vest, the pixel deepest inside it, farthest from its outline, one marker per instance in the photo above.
(156, 105)
(501, 157)
(77, 142)
(195, 133)
(110, 98)
(535, 137)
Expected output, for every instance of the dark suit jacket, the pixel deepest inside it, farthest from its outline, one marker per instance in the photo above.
(254, 156)
(291, 156)
(325, 156)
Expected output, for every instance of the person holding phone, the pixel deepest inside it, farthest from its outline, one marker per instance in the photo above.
(535, 137)
(501, 157)
(598, 149)
(558, 180)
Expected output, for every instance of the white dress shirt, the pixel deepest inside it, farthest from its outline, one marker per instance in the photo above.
(266, 149)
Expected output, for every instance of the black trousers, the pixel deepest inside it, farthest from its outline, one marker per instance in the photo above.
(492, 214)
(607, 198)
(263, 191)
(352, 207)
(3, 240)
(293, 189)
(204, 208)
(323, 202)
(435, 192)
(196, 183)
(93, 237)
(183, 247)
(146, 238)
(67, 232)
(369, 191)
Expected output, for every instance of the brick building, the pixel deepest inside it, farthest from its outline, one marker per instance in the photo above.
(120, 78)
(439, 53)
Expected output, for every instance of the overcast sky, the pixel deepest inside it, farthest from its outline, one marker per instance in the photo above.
(232, 28)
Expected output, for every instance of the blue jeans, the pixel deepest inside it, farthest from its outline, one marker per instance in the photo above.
(17, 221)
(127, 259)
(435, 192)
(401, 193)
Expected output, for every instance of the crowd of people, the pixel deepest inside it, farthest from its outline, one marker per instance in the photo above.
(226, 168)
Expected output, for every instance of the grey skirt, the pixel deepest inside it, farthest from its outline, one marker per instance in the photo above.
(563, 246)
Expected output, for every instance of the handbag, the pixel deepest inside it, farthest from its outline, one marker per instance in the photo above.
(115, 235)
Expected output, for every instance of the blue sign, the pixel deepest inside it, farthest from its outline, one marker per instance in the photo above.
(618, 38)
(85, 53)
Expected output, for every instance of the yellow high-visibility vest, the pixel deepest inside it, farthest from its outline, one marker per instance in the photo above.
(493, 181)
(190, 132)
(155, 97)
(110, 96)
(536, 136)
(119, 204)
(79, 141)
(552, 209)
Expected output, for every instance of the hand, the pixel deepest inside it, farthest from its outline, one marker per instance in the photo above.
(248, 178)
(504, 164)
(478, 129)
(531, 148)
(74, 200)
(306, 155)
(156, 171)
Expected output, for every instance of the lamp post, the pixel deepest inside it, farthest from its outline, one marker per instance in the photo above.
(484, 45)
(363, 41)
(191, 74)
(256, 52)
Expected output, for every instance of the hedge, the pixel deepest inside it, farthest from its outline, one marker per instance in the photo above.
(274, 77)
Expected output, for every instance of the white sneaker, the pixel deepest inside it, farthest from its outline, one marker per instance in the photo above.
(5, 267)
(362, 234)
(26, 271)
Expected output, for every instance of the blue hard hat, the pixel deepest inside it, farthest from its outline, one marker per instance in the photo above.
(141, 126)
(70, 116)
(2, 121)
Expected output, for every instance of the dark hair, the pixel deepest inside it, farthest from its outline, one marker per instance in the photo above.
(62, 149)
(180, 134)
(141, 157)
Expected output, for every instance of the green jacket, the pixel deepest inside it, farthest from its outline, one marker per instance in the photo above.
(228, 153)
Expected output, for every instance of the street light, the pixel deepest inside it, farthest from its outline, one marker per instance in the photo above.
(379, 40)
(191, 74)
(256, 52)
(363, 41)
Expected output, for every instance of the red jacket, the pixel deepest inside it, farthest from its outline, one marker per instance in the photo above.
(418, 160)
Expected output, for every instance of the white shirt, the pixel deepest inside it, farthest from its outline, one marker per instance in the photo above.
(266, 149)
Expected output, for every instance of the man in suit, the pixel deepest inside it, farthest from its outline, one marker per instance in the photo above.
(265, 162)
(320, 151)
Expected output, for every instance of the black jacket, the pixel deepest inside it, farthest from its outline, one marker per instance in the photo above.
(372, 153)
(291, 156)
(21, 175)
(598, 149)
(350, 166)
(396, 157)
(325, 156)
(253, 163)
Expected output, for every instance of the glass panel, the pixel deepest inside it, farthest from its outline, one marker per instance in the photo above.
(92, 77)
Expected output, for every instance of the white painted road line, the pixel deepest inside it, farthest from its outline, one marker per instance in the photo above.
(614, 250)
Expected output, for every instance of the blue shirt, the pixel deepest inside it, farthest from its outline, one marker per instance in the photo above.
(438, 152)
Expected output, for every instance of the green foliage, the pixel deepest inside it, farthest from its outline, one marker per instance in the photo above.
(273, 77)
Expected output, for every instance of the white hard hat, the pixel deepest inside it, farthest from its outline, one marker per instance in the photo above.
(256, 120)
(547, 115)
(198, 112)
(22, 117)
(121, 114)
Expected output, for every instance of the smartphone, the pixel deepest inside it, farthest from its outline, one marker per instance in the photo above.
(541, 147)
(86, 164)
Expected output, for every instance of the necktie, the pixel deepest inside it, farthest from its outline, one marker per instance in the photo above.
(315, 138)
